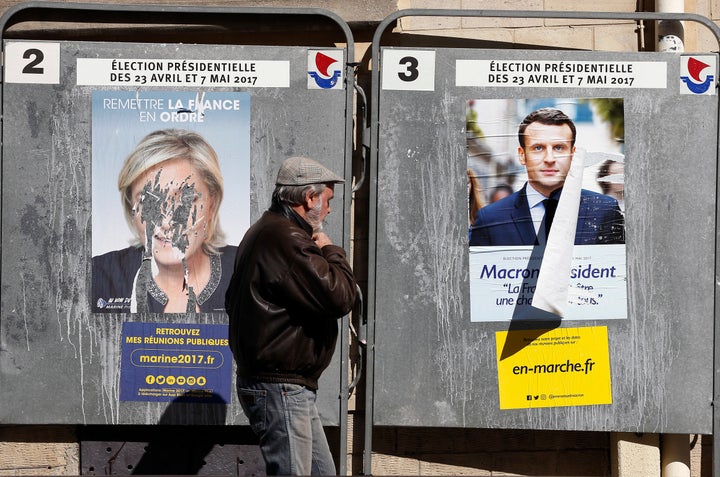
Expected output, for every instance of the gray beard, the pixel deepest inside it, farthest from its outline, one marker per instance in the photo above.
(312, 217)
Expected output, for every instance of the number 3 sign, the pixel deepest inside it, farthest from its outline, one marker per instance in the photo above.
(32, 62)
(412, 70)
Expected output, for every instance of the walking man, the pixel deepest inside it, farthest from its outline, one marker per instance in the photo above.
(289, 287)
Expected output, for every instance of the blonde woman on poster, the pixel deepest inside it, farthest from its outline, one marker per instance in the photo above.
(171, 189)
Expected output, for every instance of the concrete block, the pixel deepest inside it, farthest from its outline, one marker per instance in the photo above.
(568, 37)
(394, 465)
(408, 24)
(433, 23)
(456, 465)
(501, 22)
(635, 455)
(429, 4)
(38, 450)
(421, 24)
(604, 6)
(616, 37)
(502, 35)
(622, 6)
(491, 35)
(704, 41)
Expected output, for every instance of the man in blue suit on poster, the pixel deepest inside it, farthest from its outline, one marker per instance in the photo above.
(547, 145)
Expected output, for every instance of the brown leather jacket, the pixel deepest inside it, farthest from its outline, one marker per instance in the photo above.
(284, 300)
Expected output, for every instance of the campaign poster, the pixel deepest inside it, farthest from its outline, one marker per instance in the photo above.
(553, 368)
(546, 209)
(165, 362)
(170, 198)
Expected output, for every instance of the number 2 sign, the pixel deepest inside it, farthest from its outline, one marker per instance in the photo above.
(32, 62)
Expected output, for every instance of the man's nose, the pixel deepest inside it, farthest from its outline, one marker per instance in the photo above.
(549, 154)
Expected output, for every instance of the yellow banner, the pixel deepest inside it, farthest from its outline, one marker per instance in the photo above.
(551, 368)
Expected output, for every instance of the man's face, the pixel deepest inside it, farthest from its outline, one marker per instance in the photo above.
(547, 155)
(320, 208)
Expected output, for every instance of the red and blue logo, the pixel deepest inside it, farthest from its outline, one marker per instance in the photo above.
(698, 74)
(325, 69)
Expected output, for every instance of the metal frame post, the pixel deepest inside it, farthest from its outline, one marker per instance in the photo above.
(374, 138)
(189, 15)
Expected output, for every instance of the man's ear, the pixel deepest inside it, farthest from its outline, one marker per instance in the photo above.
(309, 199)
(521, 155)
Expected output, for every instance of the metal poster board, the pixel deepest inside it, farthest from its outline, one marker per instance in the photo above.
(604, 324)
(80, 203)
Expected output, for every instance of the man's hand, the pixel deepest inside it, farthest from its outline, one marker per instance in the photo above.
(321, 239)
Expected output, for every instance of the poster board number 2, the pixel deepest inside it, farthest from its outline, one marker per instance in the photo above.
(32, 62)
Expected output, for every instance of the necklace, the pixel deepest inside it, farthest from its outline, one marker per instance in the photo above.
(215, 276)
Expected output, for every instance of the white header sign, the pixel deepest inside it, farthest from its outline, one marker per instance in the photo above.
(561, 74)
(175, 72)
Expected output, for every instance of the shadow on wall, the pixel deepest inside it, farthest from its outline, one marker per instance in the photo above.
(181, 452)
(190, 438)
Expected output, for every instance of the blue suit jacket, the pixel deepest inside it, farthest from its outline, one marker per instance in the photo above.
(508, 221)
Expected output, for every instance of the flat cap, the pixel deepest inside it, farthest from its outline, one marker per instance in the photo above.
(305, 171)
